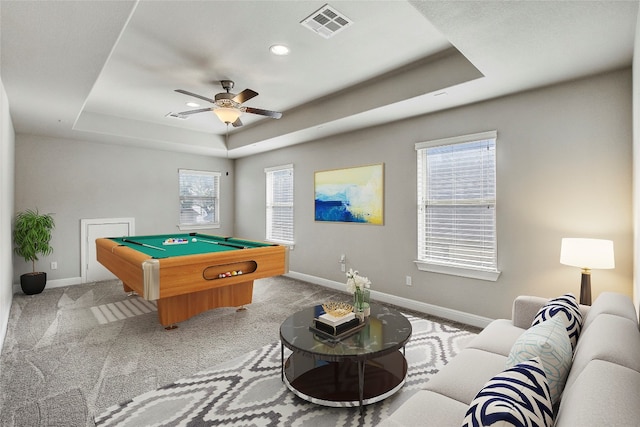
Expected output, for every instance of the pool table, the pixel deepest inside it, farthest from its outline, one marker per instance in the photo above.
(188, 274)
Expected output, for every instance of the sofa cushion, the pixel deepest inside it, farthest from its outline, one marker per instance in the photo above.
(565, 305)
(604, 394)
(498, 337)
(611, 303)
(427, 408)
(518, 396)
(549, 341)
(465, 374)
(609, 337)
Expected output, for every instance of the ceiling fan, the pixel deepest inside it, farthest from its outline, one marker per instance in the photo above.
(227, 106)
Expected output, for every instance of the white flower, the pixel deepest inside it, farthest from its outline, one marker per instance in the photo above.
(355, 281)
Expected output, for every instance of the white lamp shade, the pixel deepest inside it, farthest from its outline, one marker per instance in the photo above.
(587, 253)
(227, 115)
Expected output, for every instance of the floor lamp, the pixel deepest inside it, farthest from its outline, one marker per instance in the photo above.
(587, 254)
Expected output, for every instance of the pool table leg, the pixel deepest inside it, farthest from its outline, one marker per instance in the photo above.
(128, 290)
(178, 308)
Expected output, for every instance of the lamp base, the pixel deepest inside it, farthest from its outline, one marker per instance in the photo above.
(585, 288)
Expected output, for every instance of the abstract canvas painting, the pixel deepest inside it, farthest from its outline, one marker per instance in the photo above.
(350, 195)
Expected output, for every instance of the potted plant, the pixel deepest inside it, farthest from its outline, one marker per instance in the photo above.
(31, 235)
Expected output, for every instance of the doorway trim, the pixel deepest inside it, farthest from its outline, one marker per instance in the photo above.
(84, 236)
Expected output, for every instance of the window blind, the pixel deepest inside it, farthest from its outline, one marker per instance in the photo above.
(199, 197)
(457, 201)
(280, 203)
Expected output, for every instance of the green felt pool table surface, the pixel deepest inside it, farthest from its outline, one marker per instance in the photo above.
(157, 247)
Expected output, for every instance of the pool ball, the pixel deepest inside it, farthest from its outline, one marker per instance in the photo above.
(194, 240)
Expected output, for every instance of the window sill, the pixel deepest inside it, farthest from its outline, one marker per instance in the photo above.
(185, 227)
(490, 276)
(290, 245)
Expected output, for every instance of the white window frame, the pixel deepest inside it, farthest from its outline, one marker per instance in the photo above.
(215, 221)
(287, 236)
(459, 266)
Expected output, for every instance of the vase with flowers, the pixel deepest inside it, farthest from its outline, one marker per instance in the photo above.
(359, 286)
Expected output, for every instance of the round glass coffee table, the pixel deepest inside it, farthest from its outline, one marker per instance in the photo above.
(356, 370)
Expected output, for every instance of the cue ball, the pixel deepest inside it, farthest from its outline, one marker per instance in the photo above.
(194, 240)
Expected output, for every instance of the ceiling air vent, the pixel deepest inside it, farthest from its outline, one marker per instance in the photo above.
(326, 21)
(176, 116)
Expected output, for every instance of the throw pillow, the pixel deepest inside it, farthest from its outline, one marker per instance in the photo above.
(567, 305)
(550, 342)
(518, 396)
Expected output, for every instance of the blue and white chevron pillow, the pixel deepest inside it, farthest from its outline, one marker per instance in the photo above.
(550, 342)
(567, 305)
(518, 396)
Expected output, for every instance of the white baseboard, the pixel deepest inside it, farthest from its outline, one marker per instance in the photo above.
(57, 283)
(421, 307)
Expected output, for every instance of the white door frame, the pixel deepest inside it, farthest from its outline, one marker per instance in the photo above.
(84, 235)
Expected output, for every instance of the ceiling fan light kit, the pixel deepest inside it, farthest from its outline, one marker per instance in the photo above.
(227, 115)
(227, 106)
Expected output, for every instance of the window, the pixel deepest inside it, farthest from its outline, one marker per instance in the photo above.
(280, 203)
(199, 199)
(457, 206)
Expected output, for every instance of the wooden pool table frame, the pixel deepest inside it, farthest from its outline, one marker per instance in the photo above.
(179, 284)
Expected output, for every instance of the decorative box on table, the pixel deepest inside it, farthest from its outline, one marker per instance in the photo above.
(336, 322)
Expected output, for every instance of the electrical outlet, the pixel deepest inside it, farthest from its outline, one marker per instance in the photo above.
(54, 265)
(407, 280)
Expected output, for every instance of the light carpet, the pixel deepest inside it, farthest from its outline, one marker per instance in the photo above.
(248, 391)
(71, 353)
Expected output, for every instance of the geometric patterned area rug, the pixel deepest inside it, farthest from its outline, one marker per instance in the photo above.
(247, 391)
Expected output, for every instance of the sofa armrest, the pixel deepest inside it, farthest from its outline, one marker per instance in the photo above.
(525, 308)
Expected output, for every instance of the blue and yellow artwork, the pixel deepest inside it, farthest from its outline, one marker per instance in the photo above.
(350, 195)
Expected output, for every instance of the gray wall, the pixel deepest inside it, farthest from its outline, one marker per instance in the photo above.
(79, 179)
(7, 142)
(564, 170)
(636, 165)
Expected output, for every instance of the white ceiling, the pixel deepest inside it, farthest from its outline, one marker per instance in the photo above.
(106, 71)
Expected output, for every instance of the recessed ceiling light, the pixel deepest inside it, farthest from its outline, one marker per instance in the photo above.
(192, 104)
(279, 49)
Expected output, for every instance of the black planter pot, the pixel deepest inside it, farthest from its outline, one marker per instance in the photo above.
(33, 283)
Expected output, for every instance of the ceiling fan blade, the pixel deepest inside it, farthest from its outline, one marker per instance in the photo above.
(244, 96)
(195, 95)
(201, 110)
(272, 114)
(237, 123)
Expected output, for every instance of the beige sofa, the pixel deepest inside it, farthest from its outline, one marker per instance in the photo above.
(602, 387)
